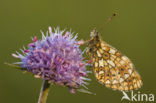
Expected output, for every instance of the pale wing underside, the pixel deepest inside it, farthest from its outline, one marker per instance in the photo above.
(115, 70)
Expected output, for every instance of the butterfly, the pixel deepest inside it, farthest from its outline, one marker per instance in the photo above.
(111, 67)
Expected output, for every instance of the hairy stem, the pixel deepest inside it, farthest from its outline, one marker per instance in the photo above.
(44, 92)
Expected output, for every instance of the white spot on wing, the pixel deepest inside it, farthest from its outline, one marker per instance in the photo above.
(124, 58)
(101, 72)
(130, 71)
(111, 63)
(131, 65)
(101, 63)
(98, 54)
(112, 51)
(126, 76)
(122, 62)
(107, 82)
(96, 64)
(115, 81)
(121, 79)
(104, 48)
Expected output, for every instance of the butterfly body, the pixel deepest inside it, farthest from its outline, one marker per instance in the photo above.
(112, 68)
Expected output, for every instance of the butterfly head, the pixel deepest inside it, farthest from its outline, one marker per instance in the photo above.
(94, 33)
(94, 36)
(93, 43)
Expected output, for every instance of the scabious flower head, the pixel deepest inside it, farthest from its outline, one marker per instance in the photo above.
(56, 58)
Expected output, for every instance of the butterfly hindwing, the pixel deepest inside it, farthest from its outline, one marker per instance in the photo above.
(112, 68)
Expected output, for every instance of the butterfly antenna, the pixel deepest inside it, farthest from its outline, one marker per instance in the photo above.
(109, 19)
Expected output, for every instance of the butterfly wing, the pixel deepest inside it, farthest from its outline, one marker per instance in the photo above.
(114, 69)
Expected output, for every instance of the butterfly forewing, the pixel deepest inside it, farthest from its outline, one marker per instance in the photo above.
(112, 68)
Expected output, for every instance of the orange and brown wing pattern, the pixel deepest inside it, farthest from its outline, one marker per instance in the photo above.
(112, 68)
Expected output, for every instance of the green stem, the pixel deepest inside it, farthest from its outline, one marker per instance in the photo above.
(44, 92)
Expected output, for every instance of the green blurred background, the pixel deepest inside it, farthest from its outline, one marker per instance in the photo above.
(133, 32)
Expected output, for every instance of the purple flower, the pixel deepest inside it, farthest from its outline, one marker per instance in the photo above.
(56, 58)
